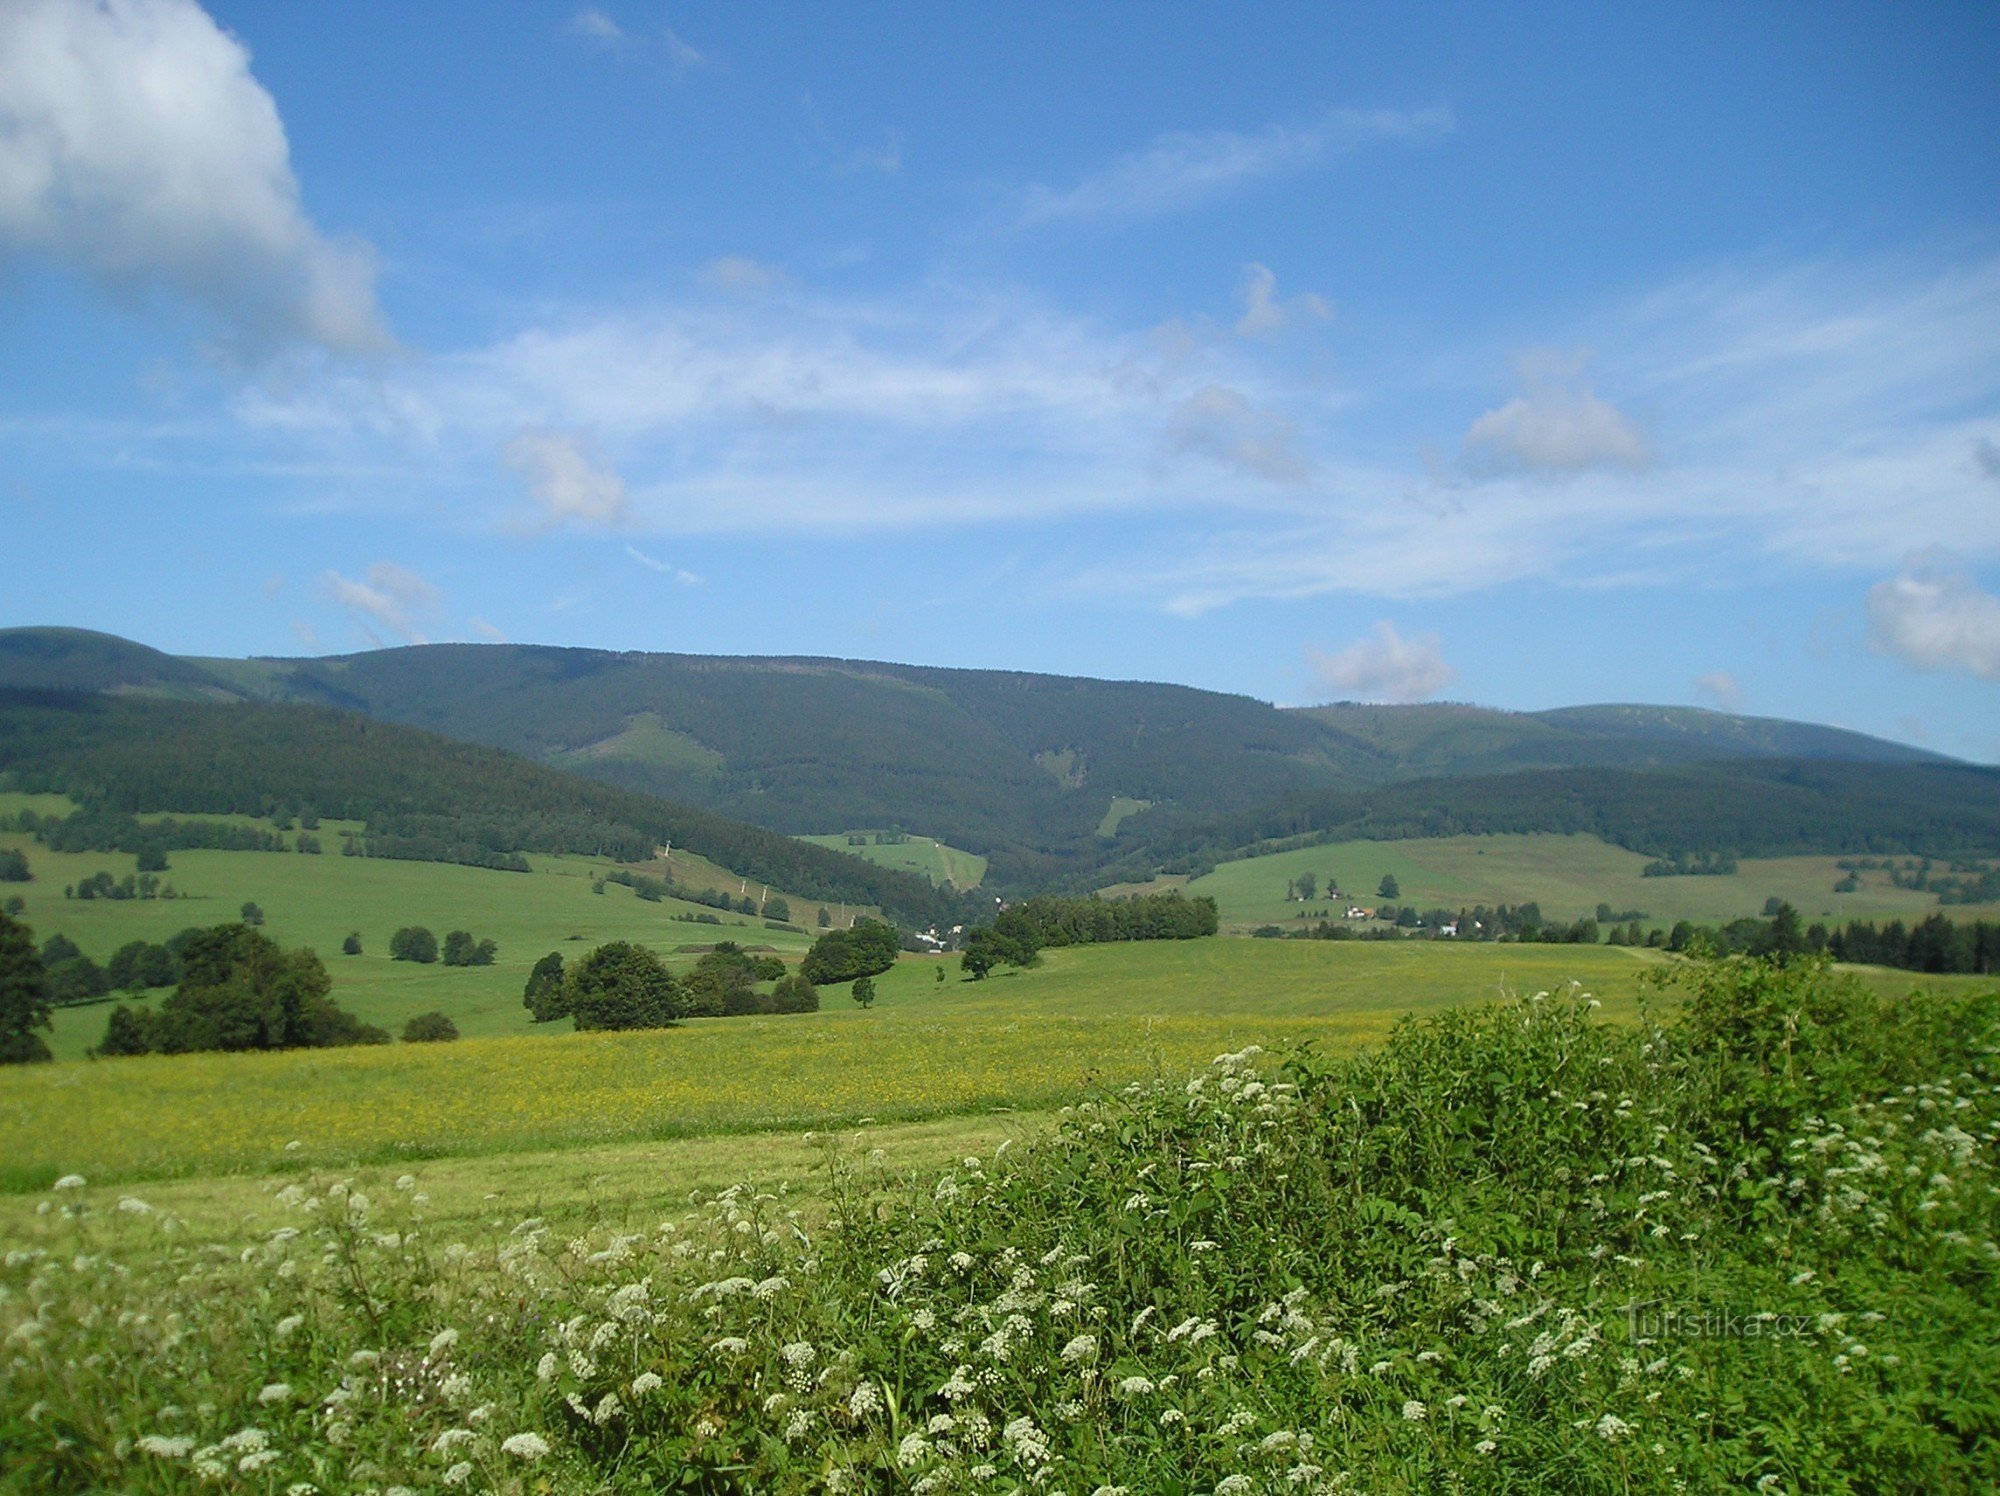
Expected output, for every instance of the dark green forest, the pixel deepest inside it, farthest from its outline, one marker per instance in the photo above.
(417, 794)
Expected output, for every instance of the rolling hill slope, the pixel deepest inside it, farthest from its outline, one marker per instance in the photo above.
(420, 795)
(1022, 769)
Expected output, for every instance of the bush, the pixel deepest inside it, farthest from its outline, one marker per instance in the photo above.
(351, 946)
(623, 986)
(794, 994)
(413, 943)
(252, 915)
(14, 866)
(429, 1028)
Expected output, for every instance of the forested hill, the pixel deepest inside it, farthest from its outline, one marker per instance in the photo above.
(1047, 776)
(1744, 807)
(418, 793)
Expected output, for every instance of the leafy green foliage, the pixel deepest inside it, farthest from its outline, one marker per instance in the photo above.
(1752, 1246)
(239, 990)
(14, 866)
(24, 995)
(429, 1028)
(623, 986)
(864, 992)
(413, 943)
(866, 949)
(460, 949)
(1019, 933)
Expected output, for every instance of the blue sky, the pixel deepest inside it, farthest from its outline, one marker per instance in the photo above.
(1641, 353)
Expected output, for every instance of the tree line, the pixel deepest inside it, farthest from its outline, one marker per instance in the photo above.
(1020, 932)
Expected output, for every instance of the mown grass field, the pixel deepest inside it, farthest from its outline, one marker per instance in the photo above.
(1567, 875)
(923, 855)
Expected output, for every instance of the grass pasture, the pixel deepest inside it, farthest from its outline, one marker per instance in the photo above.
(1086, 1017)
(1567, 875)
(315, 901)
(923, 855)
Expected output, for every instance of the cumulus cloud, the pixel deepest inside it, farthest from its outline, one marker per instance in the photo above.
(566, 485)
(1186, 169)
(1263, 311)
(1933, 616)
(393, 598)
(1387, 667)
(137, 148)
(1221, 424)
(1721, 689)
(1557, 425)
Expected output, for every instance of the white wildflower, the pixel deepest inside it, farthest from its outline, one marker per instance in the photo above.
(458, 1474)
(166, 1446)
(70, 1182)
(1082, 1348)
(863, 1400)
(1611, 1428)
(525, 1446)
(646, 1382)
(443, 1341)
(275, 1392)
(1415, 1412)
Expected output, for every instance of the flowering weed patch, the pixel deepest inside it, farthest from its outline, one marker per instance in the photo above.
(1468, 1259)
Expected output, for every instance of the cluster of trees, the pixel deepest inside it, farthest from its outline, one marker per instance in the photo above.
(652, 889)
(1933, 944)
(1021, 931)
(98, 828)
(239, 990)
(1690, 865)
(417, 794)
(14, 866)
(415, 943)
(867, 948)
(103, 885)
(622, 985)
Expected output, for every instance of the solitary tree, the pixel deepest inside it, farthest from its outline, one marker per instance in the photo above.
(545, 996)
(623, 986)
(864, 991)
(24, 996)
(1307, 885)
(351, 946)
(252, 915)
(1390, 889)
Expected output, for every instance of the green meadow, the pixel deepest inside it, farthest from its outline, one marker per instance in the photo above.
(924, 855)
(1567, 875)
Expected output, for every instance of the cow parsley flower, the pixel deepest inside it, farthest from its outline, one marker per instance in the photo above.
(525, 1446)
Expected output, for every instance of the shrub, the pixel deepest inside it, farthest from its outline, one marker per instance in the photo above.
(351, 946)
(794, 994)
(413, 943)
(429, 1028)
(14, 866)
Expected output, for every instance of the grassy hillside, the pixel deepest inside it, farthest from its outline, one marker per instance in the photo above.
(925, 856)
(420, 795)
(1567, 875)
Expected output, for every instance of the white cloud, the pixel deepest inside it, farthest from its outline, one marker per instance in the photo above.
(563, 481)
(393, 596)
(1186, 169)
(1264, 312)
(664, 568)
(735, 273)
(1387, 667)
(1986, 452)
(594, 25)
(1933, 616)
(1219, 423)
(137, 148)
(1722, 689)
(1558, 425)
(481, 629)
(679, 53)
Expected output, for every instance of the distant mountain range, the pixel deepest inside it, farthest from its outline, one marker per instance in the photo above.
(1051, 777)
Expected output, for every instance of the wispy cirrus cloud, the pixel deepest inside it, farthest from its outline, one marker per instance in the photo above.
(392, 599)
(1187, 169)
(563, 482)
